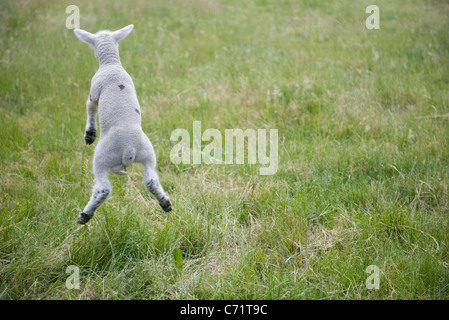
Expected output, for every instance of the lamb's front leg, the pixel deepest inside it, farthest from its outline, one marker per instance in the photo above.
(91, 125)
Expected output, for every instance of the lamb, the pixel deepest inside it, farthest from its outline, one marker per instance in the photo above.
(122, 141)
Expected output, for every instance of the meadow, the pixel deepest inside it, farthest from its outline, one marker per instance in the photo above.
(362, 118)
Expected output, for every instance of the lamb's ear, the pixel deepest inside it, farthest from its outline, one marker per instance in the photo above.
(122, 33)
(85, 36)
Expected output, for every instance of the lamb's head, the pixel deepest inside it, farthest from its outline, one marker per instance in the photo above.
(105, 43)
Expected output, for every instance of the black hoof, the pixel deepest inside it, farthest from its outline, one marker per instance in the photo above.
(83, 218)
(90, 136)
(166, 205)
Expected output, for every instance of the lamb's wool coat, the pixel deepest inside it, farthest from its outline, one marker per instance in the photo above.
(122, 141)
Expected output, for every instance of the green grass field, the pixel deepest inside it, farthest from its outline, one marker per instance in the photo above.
(363, 179)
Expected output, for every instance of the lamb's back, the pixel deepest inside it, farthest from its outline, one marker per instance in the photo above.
(117, 105)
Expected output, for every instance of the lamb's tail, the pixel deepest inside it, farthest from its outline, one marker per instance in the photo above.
(128, 156)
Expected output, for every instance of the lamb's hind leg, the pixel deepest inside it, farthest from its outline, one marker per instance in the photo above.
(154, 186)
(100, 192)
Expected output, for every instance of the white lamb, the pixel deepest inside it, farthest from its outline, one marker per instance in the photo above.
(122, 140)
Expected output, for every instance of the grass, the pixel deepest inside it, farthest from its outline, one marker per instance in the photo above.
(363, 129)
